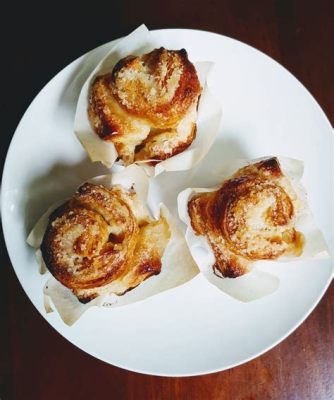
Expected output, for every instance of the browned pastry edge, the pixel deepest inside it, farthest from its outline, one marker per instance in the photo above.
(85, 211)
(94, 239)
(143, 154)
(103, 124)
(214, 215)
(144, 264)
(130, 127)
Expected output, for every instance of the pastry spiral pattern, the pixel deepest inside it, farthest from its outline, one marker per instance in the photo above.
(250, 217)
(147, 106)
(96, 238)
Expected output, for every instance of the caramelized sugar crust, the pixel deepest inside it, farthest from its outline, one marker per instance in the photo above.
(101, 236)
(147, 105)
(250, 217)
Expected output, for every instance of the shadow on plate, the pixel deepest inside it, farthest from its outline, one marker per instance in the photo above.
(58, 183)
(62, 179)
(222, 153)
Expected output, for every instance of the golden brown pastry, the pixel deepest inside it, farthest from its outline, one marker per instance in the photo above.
(147, 106)
(103, 236)
(250, 217)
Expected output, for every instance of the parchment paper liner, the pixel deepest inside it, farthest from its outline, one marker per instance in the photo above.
(256, 283)
(208, 120)
(177, 264)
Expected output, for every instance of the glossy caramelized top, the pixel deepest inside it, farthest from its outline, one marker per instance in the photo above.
(147, 105)
(101, 236)
(250, 217)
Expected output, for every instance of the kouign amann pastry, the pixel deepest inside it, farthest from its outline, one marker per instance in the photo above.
(250, 217)
(103, 241)
(147, 106)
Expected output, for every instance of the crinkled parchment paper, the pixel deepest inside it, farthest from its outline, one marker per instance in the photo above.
(256, 283)
(177, 268)
(208, 120)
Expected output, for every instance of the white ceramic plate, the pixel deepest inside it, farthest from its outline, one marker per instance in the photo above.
(194, 329)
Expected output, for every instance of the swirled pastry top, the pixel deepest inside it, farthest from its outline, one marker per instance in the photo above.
(100, 236)
(147, 105)
(250, 217)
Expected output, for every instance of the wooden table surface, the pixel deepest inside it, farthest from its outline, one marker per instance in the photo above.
(35, 361)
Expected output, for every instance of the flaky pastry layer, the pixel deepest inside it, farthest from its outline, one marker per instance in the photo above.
(147, 106)
(250, 217)
(101, 237)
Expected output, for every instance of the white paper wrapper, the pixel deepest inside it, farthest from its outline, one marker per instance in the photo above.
(177, 268)
(256, 283)
(208, 120)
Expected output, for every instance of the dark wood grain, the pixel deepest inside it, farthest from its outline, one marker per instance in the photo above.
(35, 361)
